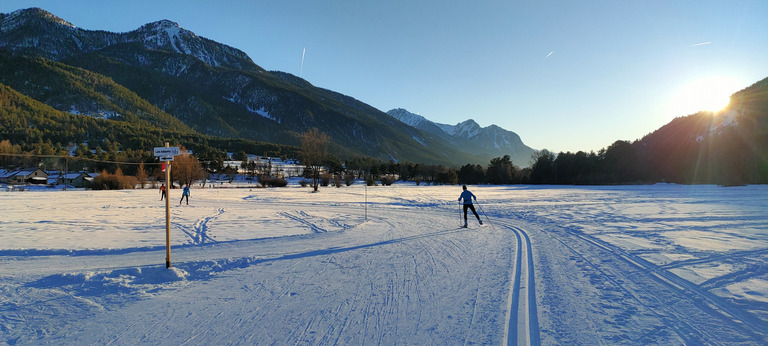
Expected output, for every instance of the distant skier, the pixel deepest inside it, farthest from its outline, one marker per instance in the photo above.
(467, 196)
(163, 193)
(185, 193)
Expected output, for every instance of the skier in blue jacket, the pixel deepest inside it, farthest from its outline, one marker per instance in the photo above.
(185, 193)
(467, 196)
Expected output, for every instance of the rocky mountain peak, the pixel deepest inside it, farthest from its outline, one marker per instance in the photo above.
(166, 34)
(163, 23)
(170, 36)
(30, 16)
(165, 27)
(410, 119)
(470, 136)
(465, 129)
(35, 31)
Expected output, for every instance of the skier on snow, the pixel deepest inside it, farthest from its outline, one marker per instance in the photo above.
(467, 196)
(185, 193)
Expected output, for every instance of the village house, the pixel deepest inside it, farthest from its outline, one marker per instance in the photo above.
(76, 179)
(5, 175)
(279, 168)
(36, 176)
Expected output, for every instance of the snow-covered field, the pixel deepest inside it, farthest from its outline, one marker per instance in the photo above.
(661, 264)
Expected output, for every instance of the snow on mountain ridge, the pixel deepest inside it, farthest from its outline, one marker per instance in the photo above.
(19, 17)
(470, 127)
(167, 32)
(466, 129)
(469, 135)
(25, 31)
(408, 118)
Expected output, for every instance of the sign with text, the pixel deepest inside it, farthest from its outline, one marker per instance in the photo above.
(165, 158)
(166, 151)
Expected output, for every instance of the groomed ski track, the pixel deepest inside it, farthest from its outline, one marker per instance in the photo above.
(522, 327)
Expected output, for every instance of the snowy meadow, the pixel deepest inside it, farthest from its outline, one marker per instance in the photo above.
(659, 264)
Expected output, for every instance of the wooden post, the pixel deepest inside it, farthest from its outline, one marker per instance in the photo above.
(167, 212)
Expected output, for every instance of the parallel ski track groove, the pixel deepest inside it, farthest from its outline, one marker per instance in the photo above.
(740, 255)
(528, 330)
(300, 219)
(710, 303)
(198, 233)
(683, 329)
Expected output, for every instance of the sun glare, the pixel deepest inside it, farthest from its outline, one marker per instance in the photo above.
(710, 94)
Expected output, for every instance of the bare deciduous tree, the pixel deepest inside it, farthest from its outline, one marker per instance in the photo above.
(314, 149)
(185, 168)
(141, 175)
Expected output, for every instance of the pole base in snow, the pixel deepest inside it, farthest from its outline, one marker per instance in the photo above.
(167, 263)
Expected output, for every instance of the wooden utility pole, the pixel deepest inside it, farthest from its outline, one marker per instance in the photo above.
(167, 212)
(166, 155)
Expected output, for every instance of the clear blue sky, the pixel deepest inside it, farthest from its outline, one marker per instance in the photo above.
(564, 75)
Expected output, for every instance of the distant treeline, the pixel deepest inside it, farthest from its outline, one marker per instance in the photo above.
(689, 150)
(726, 159)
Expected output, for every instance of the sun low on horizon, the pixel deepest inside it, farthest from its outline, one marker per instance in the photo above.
(706, 94)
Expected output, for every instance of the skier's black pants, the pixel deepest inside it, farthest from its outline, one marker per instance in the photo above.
(470, 206)
(182, 198)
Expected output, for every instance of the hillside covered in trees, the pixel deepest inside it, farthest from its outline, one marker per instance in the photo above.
(729, 147)
(114, 98)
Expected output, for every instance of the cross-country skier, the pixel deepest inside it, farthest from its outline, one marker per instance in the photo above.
(162, 192)
(185, 193)
(467, 196)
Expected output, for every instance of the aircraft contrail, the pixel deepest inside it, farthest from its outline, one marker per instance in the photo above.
(698, 44)
(302, 61)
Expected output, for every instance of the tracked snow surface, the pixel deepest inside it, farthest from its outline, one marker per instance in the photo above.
(662, 264)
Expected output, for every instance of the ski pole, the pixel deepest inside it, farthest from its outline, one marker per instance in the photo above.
(460, 223)
(486, 215)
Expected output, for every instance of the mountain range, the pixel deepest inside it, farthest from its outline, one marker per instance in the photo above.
(470, 137)
(160, 81)
(166, 76)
